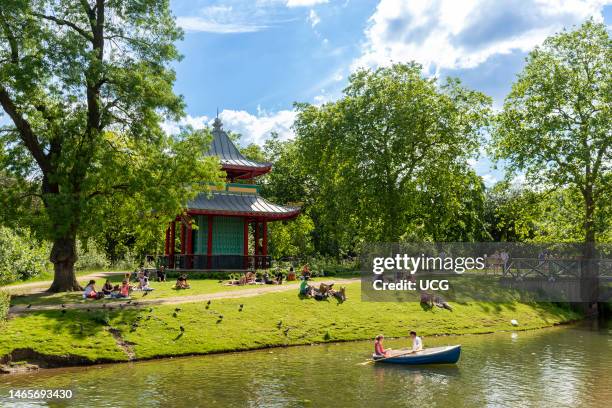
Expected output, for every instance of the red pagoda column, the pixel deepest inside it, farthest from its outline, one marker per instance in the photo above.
(172, 243)
(245, 262)
(189, 244)
(183, 236)
(167, 243)
(209, 243)
(264, 246)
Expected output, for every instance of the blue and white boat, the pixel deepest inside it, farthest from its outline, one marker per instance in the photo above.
(434, 355)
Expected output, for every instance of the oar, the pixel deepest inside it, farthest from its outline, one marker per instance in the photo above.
(372, 361)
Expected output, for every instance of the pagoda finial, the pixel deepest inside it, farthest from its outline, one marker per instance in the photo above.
(217, 125)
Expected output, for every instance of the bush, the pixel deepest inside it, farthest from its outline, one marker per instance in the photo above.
(90, 256)
(5, 301)
(21, 255)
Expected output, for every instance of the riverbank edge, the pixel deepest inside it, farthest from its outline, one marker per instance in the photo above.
(13, 362)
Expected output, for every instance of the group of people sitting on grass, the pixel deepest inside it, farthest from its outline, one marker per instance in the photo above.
(322, 292)
(250, 278)
(108, 290)
(118, 291)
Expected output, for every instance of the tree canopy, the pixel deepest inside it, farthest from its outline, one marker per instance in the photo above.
(86, 85)
(555, 123)
(389, 159)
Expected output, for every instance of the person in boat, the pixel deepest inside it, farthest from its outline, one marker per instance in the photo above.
(107, 289)
(417, 342)
(379, 349)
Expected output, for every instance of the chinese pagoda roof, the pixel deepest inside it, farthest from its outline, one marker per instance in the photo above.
(232, 161)
(249, 205)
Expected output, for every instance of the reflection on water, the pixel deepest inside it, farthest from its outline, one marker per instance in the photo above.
(557, 367)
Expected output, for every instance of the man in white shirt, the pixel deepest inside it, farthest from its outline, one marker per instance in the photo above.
(417, 343)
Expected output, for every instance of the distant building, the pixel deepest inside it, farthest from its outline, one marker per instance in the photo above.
(225, 218)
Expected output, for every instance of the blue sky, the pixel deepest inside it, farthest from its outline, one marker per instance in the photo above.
(253, 59)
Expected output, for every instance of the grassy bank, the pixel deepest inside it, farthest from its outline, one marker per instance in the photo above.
(276, 319)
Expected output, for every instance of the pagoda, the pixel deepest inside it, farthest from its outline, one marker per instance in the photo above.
(226, 217)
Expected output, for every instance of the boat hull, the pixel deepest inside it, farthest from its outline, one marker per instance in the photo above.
(436, 355)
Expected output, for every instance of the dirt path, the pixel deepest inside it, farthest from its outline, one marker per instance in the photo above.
(233, 294)
(32, 287)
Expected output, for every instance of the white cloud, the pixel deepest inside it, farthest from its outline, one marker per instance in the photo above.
(305, 3)
(313, 18)
(197, 122)
(463, 34)
(220, 19)
(203, 25)
(253, 128)
(256, 129)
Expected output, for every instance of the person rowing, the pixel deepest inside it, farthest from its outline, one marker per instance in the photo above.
(379, 349)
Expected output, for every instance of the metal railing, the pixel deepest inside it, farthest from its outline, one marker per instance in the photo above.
(215, 262)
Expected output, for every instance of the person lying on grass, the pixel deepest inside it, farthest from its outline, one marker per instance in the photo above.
(181, 283)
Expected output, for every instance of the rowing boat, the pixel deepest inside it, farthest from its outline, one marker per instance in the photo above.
(434, 355)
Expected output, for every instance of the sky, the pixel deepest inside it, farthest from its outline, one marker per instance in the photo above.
(253, 59)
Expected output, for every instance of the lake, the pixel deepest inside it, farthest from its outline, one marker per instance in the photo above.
(559, 367)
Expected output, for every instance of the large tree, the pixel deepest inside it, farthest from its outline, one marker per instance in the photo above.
(555, 124)
(389, 159)
(86, 84)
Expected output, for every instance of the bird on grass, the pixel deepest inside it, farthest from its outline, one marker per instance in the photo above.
(286, 331)
(182, 329)
(28, 306)
(241, 306)
(150, 309)
(128, 302)
(178, 309)
(279, 324)
(145, 294)
(174, 314)
(220, 316)
(63, 306)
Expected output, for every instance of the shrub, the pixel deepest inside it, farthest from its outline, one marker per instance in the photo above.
(21, 255)
(90, 256)
(5, 301)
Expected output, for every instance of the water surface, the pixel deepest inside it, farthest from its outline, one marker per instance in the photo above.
(561, 367)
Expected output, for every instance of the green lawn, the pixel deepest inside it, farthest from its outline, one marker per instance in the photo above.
(274, 319)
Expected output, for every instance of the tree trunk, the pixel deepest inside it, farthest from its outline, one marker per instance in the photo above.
(590, 266)
(63, 256)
